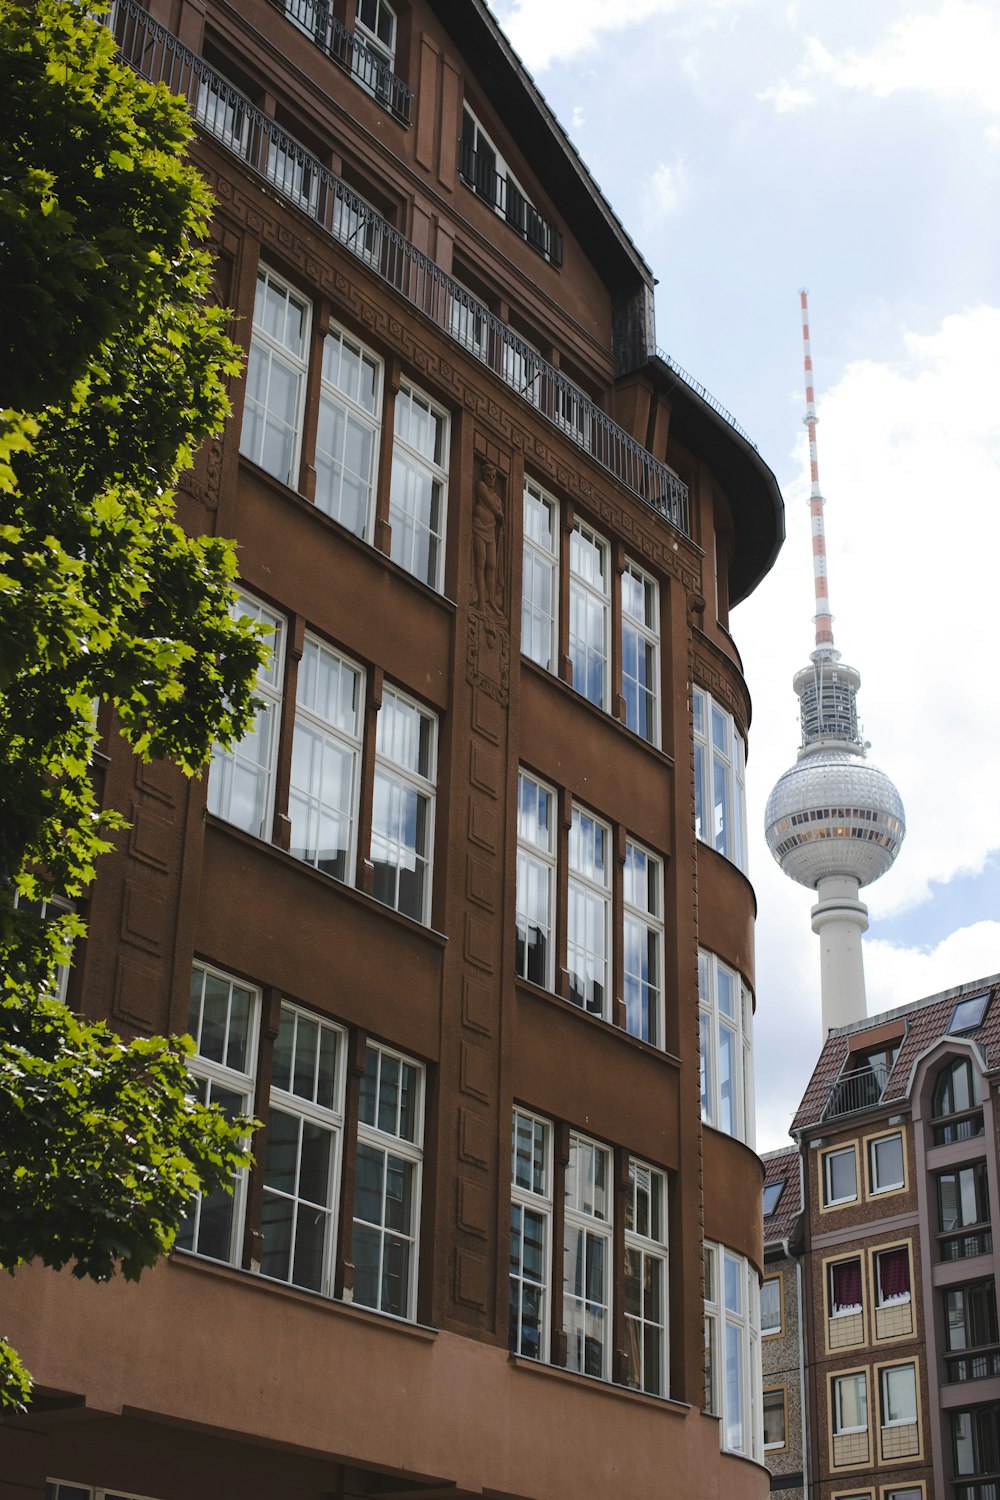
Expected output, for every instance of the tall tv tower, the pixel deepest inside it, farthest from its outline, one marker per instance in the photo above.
(834, 822)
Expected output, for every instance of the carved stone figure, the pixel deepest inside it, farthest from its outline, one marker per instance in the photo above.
(487, 541)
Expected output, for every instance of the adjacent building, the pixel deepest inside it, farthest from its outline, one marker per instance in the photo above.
(897, 1136)
(465, 919)
(783, 1326)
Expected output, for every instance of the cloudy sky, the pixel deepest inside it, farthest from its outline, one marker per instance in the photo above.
(753, 147)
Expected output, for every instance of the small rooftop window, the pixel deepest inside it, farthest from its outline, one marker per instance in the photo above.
(772, 1192)
(968, 1013)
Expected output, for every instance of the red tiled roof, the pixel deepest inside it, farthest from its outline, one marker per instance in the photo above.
(783, 1166)
(925, 1022)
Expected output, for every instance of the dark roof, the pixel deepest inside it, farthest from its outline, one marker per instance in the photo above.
(922, 1024)
(783, 1166)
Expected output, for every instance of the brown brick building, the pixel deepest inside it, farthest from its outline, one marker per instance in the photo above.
(477, 876)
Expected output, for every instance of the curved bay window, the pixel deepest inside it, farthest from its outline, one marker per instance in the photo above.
(956, 1111)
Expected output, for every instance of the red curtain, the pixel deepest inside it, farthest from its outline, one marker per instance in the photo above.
(893, 1274)
(845, 1285)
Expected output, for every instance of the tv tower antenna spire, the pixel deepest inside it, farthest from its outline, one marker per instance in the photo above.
(834, 822)
(824, 619)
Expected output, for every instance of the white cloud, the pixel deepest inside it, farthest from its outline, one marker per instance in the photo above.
(786, 96)
(563, 29)
(908, 448)
(578, 119)
(668, 187)
(992, 134)
(951, 53)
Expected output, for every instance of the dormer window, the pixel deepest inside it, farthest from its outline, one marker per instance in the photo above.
(864, 1077)
(772, 1193)
(488, 175)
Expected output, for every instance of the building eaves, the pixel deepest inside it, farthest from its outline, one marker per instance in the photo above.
(553, 157)
(925, 1021)
(700, 423)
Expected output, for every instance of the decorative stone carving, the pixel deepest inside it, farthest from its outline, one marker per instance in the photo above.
(489, 538)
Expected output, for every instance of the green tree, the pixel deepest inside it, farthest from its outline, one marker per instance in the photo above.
(112, 371)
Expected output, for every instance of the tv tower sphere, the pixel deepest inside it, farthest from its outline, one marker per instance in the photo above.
(833, 813)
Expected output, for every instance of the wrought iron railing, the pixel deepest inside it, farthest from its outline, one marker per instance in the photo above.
(707, 397)
(316, 19)
(229, 117)
(860, 1089)
(479, 172)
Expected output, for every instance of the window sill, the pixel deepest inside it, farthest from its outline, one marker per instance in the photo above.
(549, 997)
(329, 882)
(188, 1261)
(365, 548)
(596, 1383)
(602, 714)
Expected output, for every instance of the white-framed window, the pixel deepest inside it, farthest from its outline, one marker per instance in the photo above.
(485, 171)
(387, 1183)
(589, 913)
(302, 1161)
(898, 1388)
(403, 805)
(275, 378)
(50, 909)
(540, 592)
(521, 368)
(587, 1257)
(726, 1029)
(645, 1366)
(61, 1489)
(589, 614)
(643, 943)
(347, 437)
(536, 880)
(358, 226)
(375, 25)
(850, 1403)
(640, 652)
(719, 780)
(770, 1305)
(572, 413)
(840, 1176)
(774, 1418)
(326, 752)
(732, 1349)
(241, 779)
(892, 1276)
(419, 489)
(885, 1163)
(223, 1019)
(222, 111)
(293, 171)
(530, 1234)
(467, 321)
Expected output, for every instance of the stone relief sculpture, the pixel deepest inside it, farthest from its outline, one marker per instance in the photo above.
(488, 542)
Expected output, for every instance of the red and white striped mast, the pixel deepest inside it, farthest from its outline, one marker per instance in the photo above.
(824, 619)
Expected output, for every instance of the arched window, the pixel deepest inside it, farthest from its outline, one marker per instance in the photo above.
(955, 1094)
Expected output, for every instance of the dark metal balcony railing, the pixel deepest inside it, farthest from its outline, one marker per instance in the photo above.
(984, 1364)
(965, 1245)
(860, 1089)
(230, 118)
(317, 20)
(707, 397)
(479, 171)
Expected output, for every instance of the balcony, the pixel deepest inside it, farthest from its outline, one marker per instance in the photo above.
(352, 53)
(862, 1088)
(229, 118)
(506, 199)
